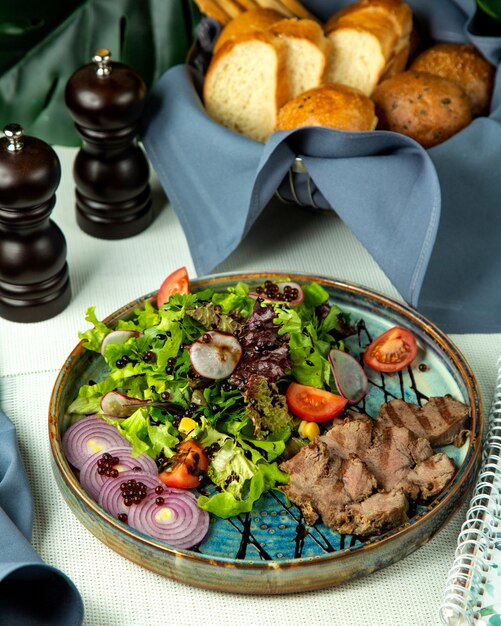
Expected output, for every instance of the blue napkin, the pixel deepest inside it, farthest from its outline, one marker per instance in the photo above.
(32, 593)
(431, 219)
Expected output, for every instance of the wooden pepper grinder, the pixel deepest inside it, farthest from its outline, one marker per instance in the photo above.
(34, 280)
(113, 196)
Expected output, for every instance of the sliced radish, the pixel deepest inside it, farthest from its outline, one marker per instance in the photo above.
(178, 520)
(112, 496)
(119, 405)
(89, 436)
(116, 405)
(351, 380)
(122, 460)
(119, 337)
(215, 354)
(289, 292)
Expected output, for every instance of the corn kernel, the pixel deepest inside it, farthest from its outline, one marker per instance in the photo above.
(308, 430)
(186, 425)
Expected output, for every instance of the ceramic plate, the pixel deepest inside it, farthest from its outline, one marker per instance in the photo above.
(270, 550)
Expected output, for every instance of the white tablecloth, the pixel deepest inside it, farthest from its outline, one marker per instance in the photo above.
(108, 274)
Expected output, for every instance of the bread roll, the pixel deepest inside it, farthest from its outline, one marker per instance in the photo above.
(370, 39)
(246, 23)
(307, 52)
(428, 108)
(334, 106)
(463, 64)
(246, 84)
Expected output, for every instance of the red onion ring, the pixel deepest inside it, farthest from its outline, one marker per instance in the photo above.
(179, 521)
(88, 436)
(110, 495)
(92, 482)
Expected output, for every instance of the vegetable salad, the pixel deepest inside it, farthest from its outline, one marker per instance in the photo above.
(181, 393)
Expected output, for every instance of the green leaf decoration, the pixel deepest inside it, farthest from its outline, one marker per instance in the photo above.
(43, 43)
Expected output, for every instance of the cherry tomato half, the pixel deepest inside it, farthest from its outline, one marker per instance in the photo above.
(312, 404)
(186, 467)
(392, 351)
(177, 282)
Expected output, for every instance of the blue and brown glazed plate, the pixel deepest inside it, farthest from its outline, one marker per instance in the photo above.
(270, 550)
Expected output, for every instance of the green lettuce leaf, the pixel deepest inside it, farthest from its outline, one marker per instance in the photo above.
(314, 295)
(145, 437)
(93, 338)
(235, 299)
(85, 406)
(226, 505)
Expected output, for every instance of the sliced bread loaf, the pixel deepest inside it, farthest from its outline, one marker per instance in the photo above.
(246, 23)
(247, 83)
(369, 39)
(307, 52)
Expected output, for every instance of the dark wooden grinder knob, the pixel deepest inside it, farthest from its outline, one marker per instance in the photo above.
(34, 280)
(113, 196)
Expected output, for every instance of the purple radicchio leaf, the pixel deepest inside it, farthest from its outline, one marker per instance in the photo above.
(265, 352)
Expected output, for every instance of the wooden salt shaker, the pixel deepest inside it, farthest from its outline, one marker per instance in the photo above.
(113, 196)
(34, 280)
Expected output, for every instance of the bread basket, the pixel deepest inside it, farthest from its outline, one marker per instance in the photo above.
(407, 205)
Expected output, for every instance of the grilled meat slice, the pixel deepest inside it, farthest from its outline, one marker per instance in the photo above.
(393, 452)
(335, 476)
(374, 515)
(441, 420)
(322, 484)
(310, 465)
(428, 477)
(389, 452)
(352, 435)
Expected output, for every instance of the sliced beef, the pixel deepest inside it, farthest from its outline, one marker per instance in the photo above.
(389, 452)
(310, 465)
(429, 477)
(441, 420)
(374, 515)
(351, 436)
(393, 452)
(322, 484)
(335, 477)
(356, 483)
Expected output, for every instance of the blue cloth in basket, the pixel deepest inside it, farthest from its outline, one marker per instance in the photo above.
(32, 593)
(431, 219)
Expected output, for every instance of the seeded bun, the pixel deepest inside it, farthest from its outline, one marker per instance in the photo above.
(464, 65)
(333, 105)
(428, 108)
